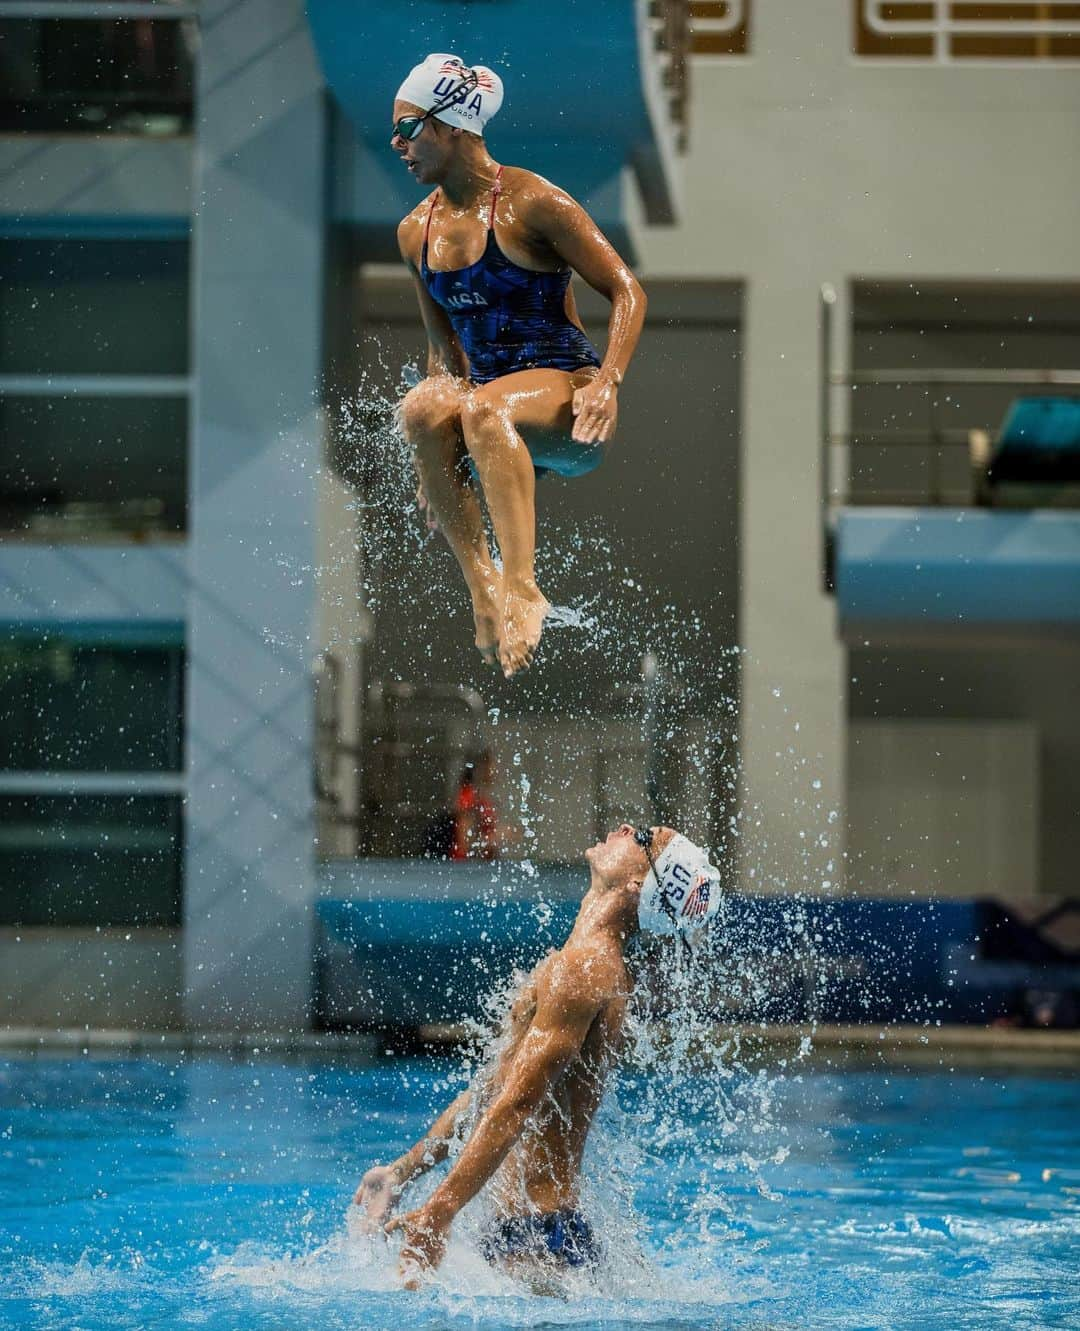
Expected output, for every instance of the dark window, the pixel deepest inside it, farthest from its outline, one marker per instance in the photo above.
(85, 463)
(88, 306)
(122, 76)
(90, 860)
(76, 706)
(100, 456)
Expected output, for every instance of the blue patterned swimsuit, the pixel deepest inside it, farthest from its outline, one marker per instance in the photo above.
(563, 1237)
(507, 317)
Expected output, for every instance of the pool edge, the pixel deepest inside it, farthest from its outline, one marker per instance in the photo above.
(946, 1045)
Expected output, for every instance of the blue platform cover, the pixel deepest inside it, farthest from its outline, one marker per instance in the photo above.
(407, 963)
(958, 566)
(575, 108)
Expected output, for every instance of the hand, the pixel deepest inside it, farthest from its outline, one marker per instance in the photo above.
(596, 410)
(378, 1191)
(424, 1232)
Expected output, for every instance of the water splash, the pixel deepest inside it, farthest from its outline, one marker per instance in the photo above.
(572, 617)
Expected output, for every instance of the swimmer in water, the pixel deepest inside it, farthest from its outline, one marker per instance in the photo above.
(514, 388)
(526, 1125)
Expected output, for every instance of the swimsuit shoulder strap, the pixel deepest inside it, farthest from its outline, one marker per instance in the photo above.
(496, 190)
(430, 212)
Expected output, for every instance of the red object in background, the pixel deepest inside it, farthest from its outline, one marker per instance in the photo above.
(476, 833)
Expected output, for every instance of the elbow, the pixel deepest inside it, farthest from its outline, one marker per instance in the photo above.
(522, 1104)
(522, 1099)
(634, 293)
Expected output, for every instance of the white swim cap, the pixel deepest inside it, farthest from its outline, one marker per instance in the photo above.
(439, 77)
(687, 894)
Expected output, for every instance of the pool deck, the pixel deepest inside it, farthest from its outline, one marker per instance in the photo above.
(830, 1045)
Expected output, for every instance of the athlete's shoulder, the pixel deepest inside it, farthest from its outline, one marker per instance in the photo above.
(529, 187)
(410, 232)
(589, 973)
(541, 204)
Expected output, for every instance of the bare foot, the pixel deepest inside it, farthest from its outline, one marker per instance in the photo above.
(522, 624)
(486, 618)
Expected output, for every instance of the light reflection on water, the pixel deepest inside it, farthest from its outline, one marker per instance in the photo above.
(213, 1193)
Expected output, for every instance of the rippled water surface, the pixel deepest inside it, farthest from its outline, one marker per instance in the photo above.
(209, 1193)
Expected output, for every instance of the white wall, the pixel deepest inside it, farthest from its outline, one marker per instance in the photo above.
(131, 979)
(807, 165)
(944, 808)
(982, 683)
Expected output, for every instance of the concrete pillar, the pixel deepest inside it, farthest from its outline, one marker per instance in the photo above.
(792, 725)
(255, 449)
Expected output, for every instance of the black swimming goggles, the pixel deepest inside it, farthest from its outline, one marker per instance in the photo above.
(644, 837)
(408, 127)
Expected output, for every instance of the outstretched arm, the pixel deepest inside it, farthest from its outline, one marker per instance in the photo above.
(565, 1012)
(382, 1185)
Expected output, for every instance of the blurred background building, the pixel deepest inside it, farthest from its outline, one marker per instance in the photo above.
(836, 550)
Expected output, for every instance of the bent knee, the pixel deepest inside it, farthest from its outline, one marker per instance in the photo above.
(430, 408)
(479, 412)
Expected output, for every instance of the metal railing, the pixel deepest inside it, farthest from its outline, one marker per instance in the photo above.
(951, 19)
(419, 736)
(333, 815)
(839, 446)
(371, 800)
(99, 9)
(375, 796)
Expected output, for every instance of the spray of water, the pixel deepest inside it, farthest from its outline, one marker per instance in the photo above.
(691, 1116)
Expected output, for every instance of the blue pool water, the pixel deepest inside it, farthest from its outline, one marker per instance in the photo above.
(213, 1194)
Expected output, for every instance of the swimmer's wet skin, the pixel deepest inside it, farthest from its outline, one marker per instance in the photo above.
(514, 388)
(531, 1116)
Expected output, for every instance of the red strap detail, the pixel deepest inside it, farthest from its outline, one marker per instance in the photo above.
(427, 227)
(496, 190)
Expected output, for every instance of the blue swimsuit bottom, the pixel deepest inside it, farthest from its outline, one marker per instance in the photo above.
(565, 1236)
(510, 318)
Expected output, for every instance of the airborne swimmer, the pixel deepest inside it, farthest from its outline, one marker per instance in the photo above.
(514, 388)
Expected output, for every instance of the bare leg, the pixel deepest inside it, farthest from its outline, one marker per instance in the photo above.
(506, 473)
(431, 419)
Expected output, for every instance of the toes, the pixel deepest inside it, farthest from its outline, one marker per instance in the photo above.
(517, 663)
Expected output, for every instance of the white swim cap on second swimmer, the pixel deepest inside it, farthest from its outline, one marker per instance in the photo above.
(683, 893)
(439, 76)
